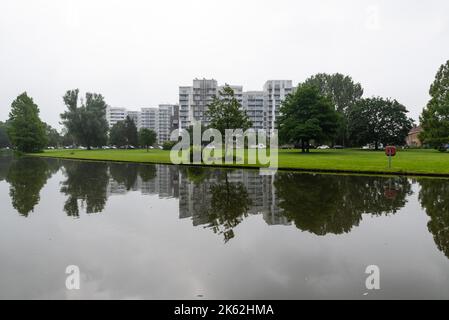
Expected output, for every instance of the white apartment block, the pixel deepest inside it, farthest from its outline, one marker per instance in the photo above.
(166, 113)
(161, 119)
(149, 118)
(275, 91)
(253, 104)
(115, 114)
(262, 107)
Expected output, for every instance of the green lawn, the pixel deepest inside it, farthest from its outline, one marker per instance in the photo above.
(429, 162)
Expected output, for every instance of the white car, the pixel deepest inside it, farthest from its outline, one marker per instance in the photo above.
(210, 146)
(323, 147)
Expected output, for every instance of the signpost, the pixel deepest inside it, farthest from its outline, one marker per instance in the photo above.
(390, 151)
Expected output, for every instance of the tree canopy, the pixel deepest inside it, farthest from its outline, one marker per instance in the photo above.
(147, 137)
(343, 92)
(4, 139)
(124, 133)
(305, 115)
(86, 123)
(435, 117)
(225, 112)
(25, 129)
(377, 120)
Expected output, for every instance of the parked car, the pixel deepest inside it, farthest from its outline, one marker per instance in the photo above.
(324, 147)
(338, 147)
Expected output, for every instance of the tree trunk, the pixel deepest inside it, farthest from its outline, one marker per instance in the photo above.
(302, 146)
(376, 146)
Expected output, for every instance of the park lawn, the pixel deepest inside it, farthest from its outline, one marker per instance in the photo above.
(411, 162)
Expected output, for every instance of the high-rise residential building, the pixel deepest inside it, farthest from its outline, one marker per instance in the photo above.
(166, 113)
(194, 101)
(149, 118)
(262, 107)
(253, 104)
(115, 114)
(275, 91)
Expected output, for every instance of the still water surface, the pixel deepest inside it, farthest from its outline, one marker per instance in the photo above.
(168, 232)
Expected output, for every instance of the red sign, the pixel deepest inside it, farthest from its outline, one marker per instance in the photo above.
(390, 151)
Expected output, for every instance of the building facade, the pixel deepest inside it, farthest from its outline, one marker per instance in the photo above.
(115, 114)
(262, 107)
(275, 92)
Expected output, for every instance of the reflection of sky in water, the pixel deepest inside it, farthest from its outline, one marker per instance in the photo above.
(138, 247)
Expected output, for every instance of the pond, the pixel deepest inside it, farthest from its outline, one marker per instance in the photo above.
(169, 232)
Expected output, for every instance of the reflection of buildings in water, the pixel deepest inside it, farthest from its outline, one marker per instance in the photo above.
(195, 198)
(164, 184)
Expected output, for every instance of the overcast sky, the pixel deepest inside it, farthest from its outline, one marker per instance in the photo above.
(137, 53)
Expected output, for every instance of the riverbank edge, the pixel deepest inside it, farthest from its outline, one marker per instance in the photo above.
(254, 167)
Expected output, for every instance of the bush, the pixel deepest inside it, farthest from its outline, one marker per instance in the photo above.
(168, 145)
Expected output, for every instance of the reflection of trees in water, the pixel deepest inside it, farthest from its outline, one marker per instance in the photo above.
(434, 198)
(86, 182)
(324, 204)
(5, 162)
(147, 172)
(228, 206)
(124, 174)
(26, 177)
(220, 204)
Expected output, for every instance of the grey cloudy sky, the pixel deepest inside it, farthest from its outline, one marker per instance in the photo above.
(137, 53)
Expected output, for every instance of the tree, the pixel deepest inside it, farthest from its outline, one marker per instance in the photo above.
(377, 120)
(131, 132)
(147, 137)
(25, 129)
(86, 124)
(343, 92)
(4, 139)
(225, 112)
(54, 139)
(117, 134)
(306, 115)
(123, 133)
(435, 117)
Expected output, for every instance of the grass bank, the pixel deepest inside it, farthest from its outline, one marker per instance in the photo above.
(409, 162)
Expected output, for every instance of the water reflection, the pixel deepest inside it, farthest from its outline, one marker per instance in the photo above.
(26, 178)
(220, 199)
(434, 198)
(324, 204)
(86, 186)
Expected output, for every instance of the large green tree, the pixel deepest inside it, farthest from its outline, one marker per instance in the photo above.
(225, 112)
(147, 137)
(124, 133)
(25, 129)
(435, 117)
(377, 120)
(86, 123)
(343, 92)
(54, 139)
(305, 115)
(4, 139)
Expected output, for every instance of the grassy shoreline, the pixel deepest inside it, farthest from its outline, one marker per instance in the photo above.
(407, 162)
